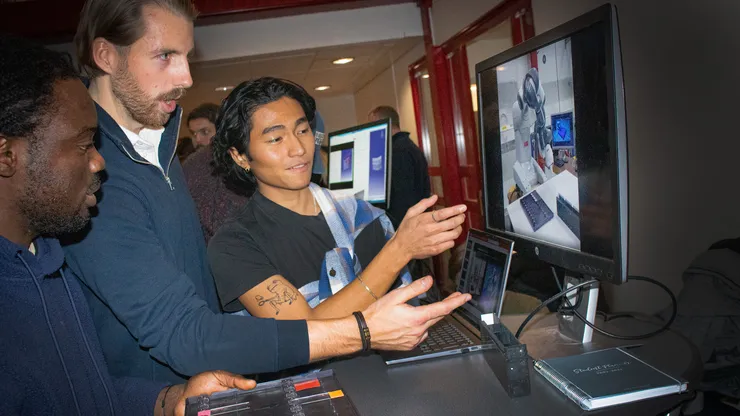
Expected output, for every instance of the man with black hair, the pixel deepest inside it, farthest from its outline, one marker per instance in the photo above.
(51, 361)
(296, 250)
(143, 260)
(409, 175)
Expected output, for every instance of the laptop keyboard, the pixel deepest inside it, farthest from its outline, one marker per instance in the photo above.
(443, 336)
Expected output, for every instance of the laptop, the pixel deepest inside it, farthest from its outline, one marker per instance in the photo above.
(484, 273)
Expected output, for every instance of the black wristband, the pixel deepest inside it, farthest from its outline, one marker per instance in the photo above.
(164, 397)
(364, 330)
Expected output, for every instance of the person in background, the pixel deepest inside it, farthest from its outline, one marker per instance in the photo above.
(185, 148)
(143, 259)
(214, 199)
(51, 361)
(202, 124)
(409, 172)
(296, 250)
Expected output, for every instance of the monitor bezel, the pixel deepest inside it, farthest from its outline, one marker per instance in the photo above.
(385, 205)
(575, 261)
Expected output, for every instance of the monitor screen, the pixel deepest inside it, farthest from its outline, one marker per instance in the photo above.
(561, 89)
(359, 162)
(562, 130)
(484, 271)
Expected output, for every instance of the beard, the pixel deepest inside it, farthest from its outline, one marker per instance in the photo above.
(45, 202)
(140, 107)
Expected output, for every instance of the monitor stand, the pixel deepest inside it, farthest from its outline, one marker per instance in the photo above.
(569, 324)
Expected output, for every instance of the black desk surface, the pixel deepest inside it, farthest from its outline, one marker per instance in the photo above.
(465, 384)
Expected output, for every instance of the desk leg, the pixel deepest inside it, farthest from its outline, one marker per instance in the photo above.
(585, 300)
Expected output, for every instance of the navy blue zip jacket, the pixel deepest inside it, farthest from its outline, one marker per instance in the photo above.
(143, 262)
(50, 357)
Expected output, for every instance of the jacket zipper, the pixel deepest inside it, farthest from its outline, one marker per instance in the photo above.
(164, 174)
(172, 157)
(166, 178)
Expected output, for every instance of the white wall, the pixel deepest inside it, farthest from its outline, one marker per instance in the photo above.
(451, 16)
(392, 87)
(337, 111)
(680, 79)
(482, 49)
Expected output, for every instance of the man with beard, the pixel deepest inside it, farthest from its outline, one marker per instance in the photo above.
(143, 260)
(51, 361)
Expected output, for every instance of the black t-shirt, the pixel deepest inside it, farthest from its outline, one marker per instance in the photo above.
(265, 239)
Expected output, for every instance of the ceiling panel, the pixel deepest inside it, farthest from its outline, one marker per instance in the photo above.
(309, 68)
(282, 65)
(324, 64)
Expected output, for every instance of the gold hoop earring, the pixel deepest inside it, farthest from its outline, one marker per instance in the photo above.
(248, 170)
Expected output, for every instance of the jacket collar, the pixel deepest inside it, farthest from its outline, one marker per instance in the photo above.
(113, 131)
(401, 135)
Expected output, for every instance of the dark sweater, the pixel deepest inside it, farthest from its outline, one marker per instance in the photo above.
(409, 177)
(143, 262)
(215, 202)
(51, 362)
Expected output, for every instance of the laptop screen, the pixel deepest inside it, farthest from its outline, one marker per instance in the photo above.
(484, 273)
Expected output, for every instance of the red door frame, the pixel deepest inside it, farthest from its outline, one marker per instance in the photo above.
(447, 66)
(440, 83)
(415, 70)
(507, 9)
(466, 125)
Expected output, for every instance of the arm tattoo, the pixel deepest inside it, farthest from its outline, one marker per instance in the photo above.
(280, 294)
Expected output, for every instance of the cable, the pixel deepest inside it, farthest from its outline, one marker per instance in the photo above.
(612, 317)
(549, 301)
(570, 308)
(674, 304)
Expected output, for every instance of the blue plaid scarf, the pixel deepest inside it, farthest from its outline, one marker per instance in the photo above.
(346, 217)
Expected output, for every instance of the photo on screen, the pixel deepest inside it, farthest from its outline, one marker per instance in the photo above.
(341, 164)
(346, 175)
(358, 162)
(538, 145)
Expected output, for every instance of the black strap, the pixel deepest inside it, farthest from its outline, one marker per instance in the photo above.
(364, 330)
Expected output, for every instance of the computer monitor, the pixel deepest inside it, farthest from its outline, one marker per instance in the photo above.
(359, 162)
(575, 215)
(563, 135)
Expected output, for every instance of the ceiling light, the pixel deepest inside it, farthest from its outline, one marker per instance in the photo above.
(425, 76)
(225, 88)
(342, 61)
(501, 68)
(322, 87)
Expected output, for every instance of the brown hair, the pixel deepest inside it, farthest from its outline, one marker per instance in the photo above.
(209, 111)
(120, 22)
(386, 111)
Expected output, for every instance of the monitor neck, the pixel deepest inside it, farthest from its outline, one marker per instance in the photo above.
(584, 300)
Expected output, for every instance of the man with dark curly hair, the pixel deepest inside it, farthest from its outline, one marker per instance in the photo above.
(51, 361)
(296, 250)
